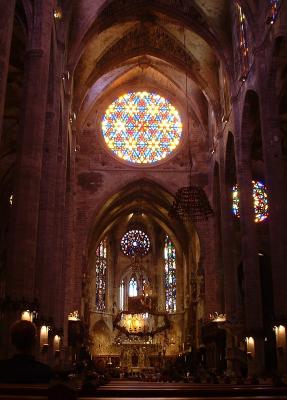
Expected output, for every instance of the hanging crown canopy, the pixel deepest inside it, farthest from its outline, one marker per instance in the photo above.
(191, 203)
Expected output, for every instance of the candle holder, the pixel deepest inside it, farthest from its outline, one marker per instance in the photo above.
(45, 348)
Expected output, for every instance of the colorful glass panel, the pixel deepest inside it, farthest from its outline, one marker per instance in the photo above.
(243, 42)
(170, 275)
(101, 275)
(133, 287)
(142, 127)
(135, 243)
(122, 294)
(273, 10)
(259, 198)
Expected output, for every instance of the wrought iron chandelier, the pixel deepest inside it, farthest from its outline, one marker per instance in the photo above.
(191, 204)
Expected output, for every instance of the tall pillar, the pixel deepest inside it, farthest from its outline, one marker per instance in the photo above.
(228, 239)
(277, 196)
(6, 30)
(252, 285)
(24, 226)
(206, 230)
(48, 271)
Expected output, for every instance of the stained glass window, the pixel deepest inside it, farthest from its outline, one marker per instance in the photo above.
(133, 287)
(142, 127)
(101, 275)
(243, 42)
(135, 243)
(273, 10)
(259, 198)
(122, 293)
(170, 275)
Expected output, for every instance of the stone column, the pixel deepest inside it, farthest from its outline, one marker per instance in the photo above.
(6, 30)
(69, 274)
(252, 286)
(277, 196)
(24, 224)
(205, 230)
(228, 238)
(48, 270)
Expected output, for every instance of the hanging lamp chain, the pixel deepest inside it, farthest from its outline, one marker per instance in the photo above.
(191, 202)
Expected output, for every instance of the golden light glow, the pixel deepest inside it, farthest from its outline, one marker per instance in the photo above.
(56, 343)
(280, 332)
(44, 333)
(27, 315)
(250, 346)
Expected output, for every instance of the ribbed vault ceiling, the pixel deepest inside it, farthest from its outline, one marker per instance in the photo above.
(172, 46)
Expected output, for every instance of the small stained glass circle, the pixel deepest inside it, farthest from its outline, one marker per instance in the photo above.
(259, 199)
(142, 127)
(135, 243)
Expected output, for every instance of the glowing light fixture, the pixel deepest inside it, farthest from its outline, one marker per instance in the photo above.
(250, 346)
(58, 13)
(216, 317)
(44, 335)
(280, 332)
(56, 343)
(28, 315)
(74, 316)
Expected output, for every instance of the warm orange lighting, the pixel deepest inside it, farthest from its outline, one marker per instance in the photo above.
(280, 332)
(250, 343)
(134, 323)
(56, 343)
(58, 13)
(44, 333)
(216, 317)
(74, 316)
(27, 315)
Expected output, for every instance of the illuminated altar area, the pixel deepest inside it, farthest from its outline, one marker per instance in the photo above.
(139, 321)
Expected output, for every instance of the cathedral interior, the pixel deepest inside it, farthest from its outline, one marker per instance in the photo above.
(143, 181)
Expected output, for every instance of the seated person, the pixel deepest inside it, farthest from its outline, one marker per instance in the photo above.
(22, 367)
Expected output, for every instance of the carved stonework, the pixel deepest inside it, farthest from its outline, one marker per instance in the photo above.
(145, 38)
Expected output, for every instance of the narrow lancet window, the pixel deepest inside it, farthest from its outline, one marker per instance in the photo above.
(170, 275)
(101, 275)
(133, 287)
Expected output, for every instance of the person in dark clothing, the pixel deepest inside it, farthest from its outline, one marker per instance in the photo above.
(22, 367)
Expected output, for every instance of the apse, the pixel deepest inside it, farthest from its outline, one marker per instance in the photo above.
(138, 265)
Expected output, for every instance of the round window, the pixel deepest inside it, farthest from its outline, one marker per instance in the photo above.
(142, 127)
(135, 243)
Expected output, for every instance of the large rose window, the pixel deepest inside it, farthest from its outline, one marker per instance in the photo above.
(135, 243)
(142, 127)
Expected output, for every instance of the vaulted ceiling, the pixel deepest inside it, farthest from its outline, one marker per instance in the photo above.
(173, 46)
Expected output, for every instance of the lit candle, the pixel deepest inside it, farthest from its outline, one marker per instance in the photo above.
(27, 316)
(250, 346)
(44, 335)
(280, 332)
(56, 344)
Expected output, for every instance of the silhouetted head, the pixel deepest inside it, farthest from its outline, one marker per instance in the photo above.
(23, 335)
